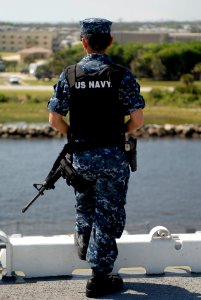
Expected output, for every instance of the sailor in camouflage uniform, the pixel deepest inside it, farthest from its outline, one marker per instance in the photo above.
(98, 95)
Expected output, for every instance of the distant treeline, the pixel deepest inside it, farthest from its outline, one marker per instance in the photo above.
(165, 61)
(118, 25)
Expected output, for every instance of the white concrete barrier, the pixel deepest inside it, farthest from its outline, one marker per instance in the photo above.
(39, 256)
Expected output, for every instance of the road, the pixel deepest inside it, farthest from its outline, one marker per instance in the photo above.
(176, 284)
(50, 88)
(26, 87)
(29, 87)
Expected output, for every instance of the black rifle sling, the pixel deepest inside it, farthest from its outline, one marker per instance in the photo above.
(72, 72)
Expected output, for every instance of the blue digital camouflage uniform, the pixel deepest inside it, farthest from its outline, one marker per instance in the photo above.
(101, 211)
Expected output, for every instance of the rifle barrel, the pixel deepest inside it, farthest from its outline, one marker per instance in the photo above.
(42, 189)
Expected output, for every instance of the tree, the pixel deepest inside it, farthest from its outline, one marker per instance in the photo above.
(187, 79)
(160, 61)
(197, 71)
(157, 68)
(43, 72)
(65, 57)
(141, 65)
(171, 59)
(117, 53)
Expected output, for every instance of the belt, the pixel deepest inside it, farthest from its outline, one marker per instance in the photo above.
(84, 146)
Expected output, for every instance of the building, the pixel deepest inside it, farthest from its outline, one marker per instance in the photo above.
(34, 53)
(185, 36)
(124, 37)
(15, 38)
(21, 38)
(146, 37)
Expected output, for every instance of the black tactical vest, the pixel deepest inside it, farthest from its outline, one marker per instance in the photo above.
(96, 114)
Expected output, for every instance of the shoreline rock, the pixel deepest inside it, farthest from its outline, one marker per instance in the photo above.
(41, 130)
(169, 130)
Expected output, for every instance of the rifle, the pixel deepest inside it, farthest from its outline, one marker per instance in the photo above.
(62, 167)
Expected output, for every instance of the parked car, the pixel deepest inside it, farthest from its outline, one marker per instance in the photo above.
(14, 80)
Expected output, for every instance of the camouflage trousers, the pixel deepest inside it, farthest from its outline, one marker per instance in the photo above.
(100, 212)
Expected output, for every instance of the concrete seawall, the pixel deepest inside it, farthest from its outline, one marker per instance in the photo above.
(25, 130)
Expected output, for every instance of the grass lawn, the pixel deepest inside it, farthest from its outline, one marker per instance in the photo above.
(142, 82)
(31, 106)
(37, 112)
(21, 109)
(23, 112)
(173, 115)
(27, 94)
(161, 84)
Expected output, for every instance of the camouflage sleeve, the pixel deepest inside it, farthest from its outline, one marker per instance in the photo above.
(59, 102)
(130, 94)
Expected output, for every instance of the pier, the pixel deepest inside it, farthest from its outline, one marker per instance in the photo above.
(158, 265)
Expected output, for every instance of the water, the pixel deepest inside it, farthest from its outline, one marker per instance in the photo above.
(164, 191)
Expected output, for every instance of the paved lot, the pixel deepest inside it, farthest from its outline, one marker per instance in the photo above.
(176, 284)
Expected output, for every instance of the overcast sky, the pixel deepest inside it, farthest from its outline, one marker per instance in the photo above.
(115, 10)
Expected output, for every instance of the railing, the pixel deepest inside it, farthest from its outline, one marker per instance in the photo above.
(39, 256)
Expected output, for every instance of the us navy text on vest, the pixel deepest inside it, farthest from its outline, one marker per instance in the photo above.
(93, 84)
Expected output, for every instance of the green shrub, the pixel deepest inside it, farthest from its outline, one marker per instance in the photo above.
(35, 100)
(189, 89)
(181, 96)
(3, 98)
(156, 96)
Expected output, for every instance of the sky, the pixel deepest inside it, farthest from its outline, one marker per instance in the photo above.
(114, 10)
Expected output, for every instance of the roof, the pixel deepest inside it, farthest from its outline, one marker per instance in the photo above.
(35, 50)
